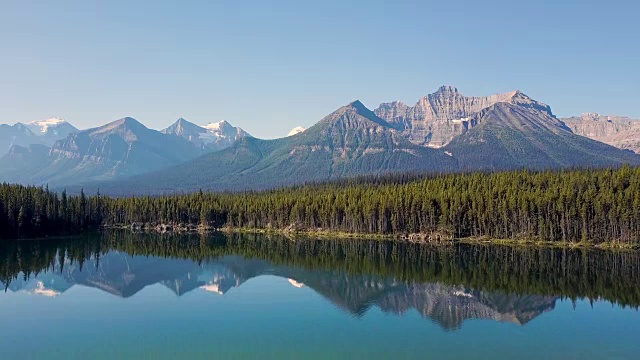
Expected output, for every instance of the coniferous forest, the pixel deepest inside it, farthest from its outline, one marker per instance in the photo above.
(567, 206)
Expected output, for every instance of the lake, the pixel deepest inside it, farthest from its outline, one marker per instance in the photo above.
(123, 295)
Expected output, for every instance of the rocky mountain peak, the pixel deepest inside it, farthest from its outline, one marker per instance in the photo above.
(439, 117)
(447, 89)
(213, 136)
(184, 128)
(128, 128)
(352, 115)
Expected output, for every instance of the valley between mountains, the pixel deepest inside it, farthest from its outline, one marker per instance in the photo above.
(443, 132)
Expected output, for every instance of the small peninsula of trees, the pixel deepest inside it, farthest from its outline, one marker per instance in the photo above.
(571, 205)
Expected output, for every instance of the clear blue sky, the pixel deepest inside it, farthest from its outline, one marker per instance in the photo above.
(268, 66)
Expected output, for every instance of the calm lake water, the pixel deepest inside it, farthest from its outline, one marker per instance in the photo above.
(122, 295)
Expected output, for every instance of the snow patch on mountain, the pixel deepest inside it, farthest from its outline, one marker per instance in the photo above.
(53, 127)
(296, 130)
(44, 125)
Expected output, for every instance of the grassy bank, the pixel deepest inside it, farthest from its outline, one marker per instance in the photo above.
(432, 239)
(323, 234)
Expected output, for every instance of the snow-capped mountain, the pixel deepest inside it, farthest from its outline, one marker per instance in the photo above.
(54, 128)
(296, 130)
(213, 136)
(45, 132)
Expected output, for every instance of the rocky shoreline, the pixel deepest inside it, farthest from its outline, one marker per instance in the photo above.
(434, 238)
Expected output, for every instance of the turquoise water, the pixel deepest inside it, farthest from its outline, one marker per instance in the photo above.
(136, 297)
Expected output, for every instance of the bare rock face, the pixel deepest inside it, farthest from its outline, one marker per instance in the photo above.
(439, 117)
(621, 132)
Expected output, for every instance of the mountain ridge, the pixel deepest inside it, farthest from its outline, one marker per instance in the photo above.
(350, 141)
(213, 136)
(444, 132)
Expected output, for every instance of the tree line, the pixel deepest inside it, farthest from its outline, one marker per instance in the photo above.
(570, 206)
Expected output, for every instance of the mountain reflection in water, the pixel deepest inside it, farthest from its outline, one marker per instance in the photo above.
(445, 284)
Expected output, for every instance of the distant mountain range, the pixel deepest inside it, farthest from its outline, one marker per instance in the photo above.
(213, 136)
(443, 132)
(116, 150)
(45, 132)
(449, 306)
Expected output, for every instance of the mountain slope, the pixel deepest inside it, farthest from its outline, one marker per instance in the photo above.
(213, 136)
(122, 148)
(45, 132)
(509, 136)
(17, 134)
(20, 163)
(351, 141)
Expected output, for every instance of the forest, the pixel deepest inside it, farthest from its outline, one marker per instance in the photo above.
(588, 205)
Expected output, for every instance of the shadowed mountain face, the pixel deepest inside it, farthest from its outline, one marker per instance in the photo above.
(20, 162)
(508, 136)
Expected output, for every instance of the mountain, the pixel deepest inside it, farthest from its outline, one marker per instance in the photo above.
(296, 130)
(213, 136)
(17, 134)
(512, 133)
(122, 148)
(44, 132)
(444, 132)
(21, 163)
(351, 141)
(621, 132)
(507, 136)
(439, 117)
(51, 130)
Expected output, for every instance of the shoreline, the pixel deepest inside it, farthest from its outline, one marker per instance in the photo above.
(324, 234)
(440, 239)
(607, 245)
